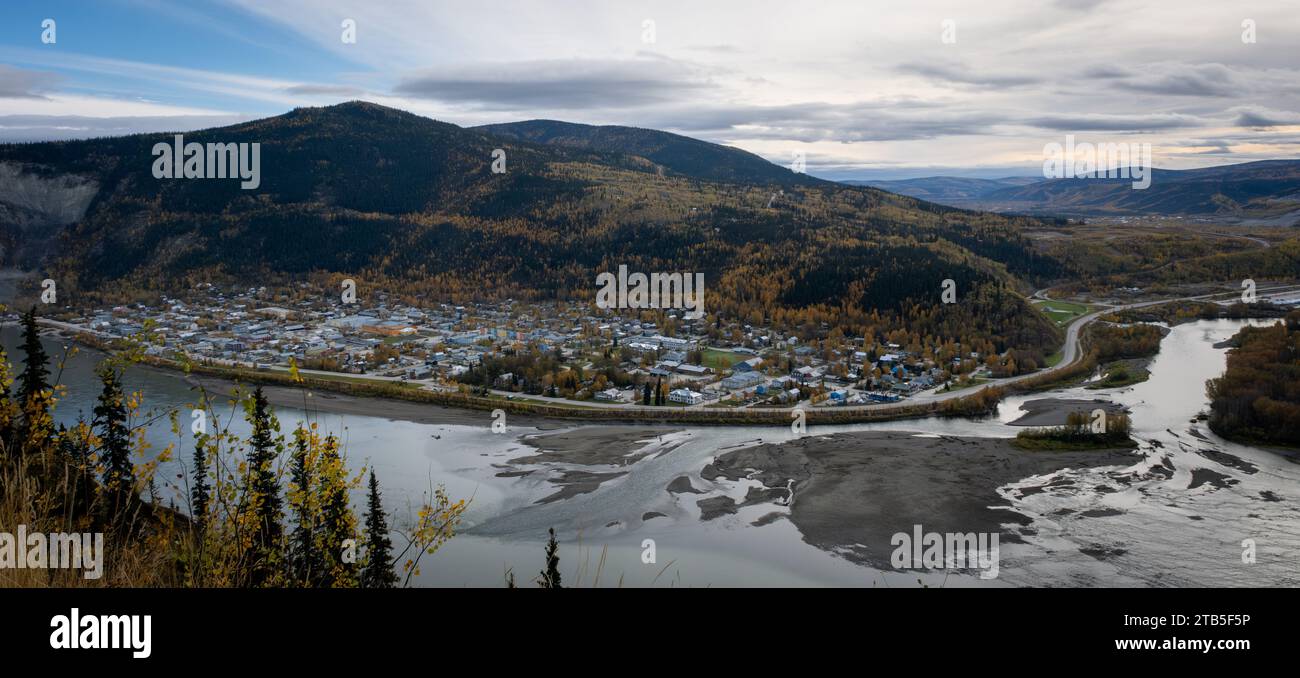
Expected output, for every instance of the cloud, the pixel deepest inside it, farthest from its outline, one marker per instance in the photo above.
(821, 121)
(963, 75)
(19, 128)
(1260, 117)
(1079, 5)
(324, 90)
(1204, 80)
(557, 84)
(17, 83)
(1106, 72)
(1113, 123)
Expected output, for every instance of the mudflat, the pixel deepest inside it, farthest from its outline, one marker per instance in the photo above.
(849, 493)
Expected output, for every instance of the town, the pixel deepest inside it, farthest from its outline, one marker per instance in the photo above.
(543, 351)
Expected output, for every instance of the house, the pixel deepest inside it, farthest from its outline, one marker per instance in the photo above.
(808, 374)
(609, 395)
(686, 396)
(693, 370)
(742, 380)
(677, 357)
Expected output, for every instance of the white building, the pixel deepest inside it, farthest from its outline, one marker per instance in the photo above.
(686, 396)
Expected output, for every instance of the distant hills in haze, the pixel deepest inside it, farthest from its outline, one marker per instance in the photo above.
(947, 190)
(1264, 191)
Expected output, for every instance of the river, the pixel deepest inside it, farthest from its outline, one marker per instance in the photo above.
(1184, 527)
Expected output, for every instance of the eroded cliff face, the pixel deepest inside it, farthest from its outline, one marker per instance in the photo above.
(34, 207)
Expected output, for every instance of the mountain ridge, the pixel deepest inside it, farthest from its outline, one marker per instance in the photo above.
(406, 203)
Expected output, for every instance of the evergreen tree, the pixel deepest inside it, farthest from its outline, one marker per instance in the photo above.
(200, 493)
(304, 554)
(115, 444)
(35, 377)
(378, 572)
(550, 577)
(262, 489)
(645, 395)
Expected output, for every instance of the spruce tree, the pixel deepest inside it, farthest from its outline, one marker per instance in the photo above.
(645, 395)
(201, 493)
(378, 572)
(35, 376)
(262, 489)
(115, 444)
(305, 556)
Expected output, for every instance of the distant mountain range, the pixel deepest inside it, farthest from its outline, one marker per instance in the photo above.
(947, 190)
(1264, 191)
(411, 206)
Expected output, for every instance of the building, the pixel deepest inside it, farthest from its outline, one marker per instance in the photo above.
(742, 380)
(686, 396)
(693, 370)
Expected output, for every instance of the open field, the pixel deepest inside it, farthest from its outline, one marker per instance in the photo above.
(720, 360)
(1062, 312)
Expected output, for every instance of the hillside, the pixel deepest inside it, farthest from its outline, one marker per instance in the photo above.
(956, 191)
(409, 205)
(680, 155)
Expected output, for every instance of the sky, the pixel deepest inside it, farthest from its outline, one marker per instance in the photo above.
(862, 89)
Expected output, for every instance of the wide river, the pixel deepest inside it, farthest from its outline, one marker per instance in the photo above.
(1157, 530)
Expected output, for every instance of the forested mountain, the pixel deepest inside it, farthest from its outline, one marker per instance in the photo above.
(956, 191)
(678, 154)
(410, 206)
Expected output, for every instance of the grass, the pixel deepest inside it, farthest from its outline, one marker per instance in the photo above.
(1120, 374)
(959, 386)
(1062, 312)
(517, 398)
(719, 359)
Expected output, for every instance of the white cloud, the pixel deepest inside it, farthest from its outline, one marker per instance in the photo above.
(865, 83)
